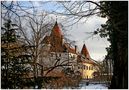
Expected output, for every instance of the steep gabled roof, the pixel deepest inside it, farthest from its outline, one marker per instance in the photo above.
(90, 61)
(72, 50)
(85, 52)
(56, 30)
(69, 48)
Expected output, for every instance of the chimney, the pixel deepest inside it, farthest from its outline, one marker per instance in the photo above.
(75, 48)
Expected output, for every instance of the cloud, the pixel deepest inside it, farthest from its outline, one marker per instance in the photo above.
(95, 45)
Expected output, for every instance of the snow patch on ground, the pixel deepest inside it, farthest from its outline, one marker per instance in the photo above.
(94, 86)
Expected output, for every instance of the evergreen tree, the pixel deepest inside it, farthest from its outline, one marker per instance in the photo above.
(14, 58)
(116, 28)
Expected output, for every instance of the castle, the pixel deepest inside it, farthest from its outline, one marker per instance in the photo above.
(60, 53)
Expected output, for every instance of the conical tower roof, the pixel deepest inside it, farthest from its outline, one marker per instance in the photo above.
(85, 52)
(56, 30)
(56, 39)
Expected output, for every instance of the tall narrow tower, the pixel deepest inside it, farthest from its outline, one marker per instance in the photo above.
(85, 52)
(56, 39)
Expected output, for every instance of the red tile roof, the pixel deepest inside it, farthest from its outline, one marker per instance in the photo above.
(46, 39)
(88, 61)
(85, 52)
(69, 48)
(56, 30)
(72, 50)
(56, 41)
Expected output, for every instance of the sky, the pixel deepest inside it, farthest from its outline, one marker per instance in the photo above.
(95, 45)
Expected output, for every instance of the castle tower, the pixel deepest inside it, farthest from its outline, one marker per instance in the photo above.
(56, 39)
(85, 52)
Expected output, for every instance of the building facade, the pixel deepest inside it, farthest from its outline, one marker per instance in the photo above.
(86, 65)
(59, 52)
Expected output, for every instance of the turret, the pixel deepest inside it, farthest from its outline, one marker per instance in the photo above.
(85, 52)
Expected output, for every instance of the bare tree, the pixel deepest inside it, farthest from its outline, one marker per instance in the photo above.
(77, 10)
(33, 28)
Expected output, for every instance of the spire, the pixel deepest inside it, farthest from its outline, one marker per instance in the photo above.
(56, 30)
(85, 52)
(56, 39)
(56, 18)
